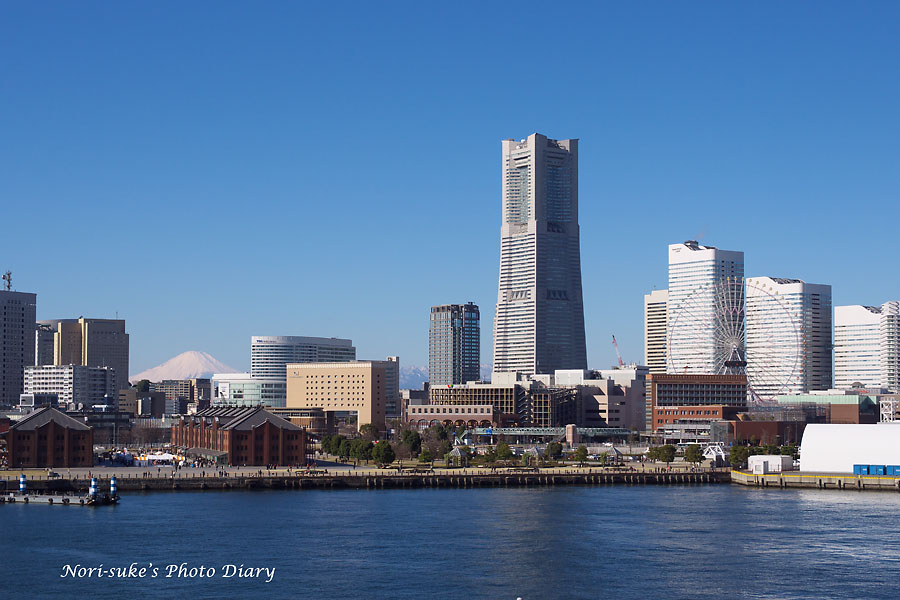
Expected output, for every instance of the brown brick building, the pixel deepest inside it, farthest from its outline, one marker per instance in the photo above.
(250, 436)
(50, 438)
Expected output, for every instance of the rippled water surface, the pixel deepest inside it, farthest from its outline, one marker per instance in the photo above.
(714, 541)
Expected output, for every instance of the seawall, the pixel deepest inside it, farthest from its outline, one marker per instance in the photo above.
(383, 481)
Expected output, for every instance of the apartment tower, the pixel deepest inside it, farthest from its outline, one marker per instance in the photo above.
(454, 344)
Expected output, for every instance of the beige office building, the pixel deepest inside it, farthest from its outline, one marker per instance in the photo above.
(655, 322)
(358, 386)
(91, 343)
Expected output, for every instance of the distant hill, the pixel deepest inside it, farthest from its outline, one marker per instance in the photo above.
(411, 377)
(186, 365)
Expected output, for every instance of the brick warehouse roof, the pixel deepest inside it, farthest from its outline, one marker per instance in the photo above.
(42, 416)
(245, 418)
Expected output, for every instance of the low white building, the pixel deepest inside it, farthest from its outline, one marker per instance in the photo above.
(836, 448)
(761, 464)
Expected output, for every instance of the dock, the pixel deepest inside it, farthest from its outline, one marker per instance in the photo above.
(822, 481)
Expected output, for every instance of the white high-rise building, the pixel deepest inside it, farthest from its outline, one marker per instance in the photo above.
(705, 309)
(788, 336)
(655, 316)
(857, 346)
(889, 343)
(270, 354)
(867, 346)
(655, 312)
(539, 324)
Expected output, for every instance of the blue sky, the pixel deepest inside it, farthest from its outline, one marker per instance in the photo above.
(215, 170)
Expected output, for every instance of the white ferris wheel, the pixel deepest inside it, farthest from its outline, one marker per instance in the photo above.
(708, 334)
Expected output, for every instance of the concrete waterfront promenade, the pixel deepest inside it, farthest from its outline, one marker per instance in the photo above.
(343, 477)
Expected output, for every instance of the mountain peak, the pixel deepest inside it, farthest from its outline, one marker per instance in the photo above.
(187, 365)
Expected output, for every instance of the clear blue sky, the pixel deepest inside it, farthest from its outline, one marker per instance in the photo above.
(216, 170)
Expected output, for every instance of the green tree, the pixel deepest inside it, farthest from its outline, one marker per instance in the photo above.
(445, 448)
(693, 454)
(604, 457)
(581, 454)
(412, 440)
(335, 444)
(369, 432)
(738, 456)
(143, 385)
(789, 450)
(361, 449)
(343, 447)
(383, 453)
(503, 451)
(490, 457)
(653, 453)
(425, 456)
(554, 450)
(667, 453)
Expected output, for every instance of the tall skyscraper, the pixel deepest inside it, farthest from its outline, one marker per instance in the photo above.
(270, 354)
(788, 332)
(655, 317)
(90, 343)
(867, 346)
(539, 324)
(454, 344)
(16, 342)
(705, 309)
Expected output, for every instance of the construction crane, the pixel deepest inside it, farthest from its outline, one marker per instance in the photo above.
(618, 354)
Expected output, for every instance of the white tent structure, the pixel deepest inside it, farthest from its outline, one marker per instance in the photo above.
(836, 448)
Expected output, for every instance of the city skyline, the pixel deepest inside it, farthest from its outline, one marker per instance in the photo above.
(195, 169)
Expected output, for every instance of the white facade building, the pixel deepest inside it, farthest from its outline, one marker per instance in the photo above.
(270, 354)
(889, 346)
(698, 278)
(867, 346)
(539, 323)
(788, 336)
(655, 315)
(73, 384)
(241, 389)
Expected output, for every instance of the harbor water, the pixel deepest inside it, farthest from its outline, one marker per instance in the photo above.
(617, 542)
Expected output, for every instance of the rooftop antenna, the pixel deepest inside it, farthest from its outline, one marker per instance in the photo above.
(7, 280)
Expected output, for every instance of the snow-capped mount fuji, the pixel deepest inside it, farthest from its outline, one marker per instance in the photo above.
(187, 365)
